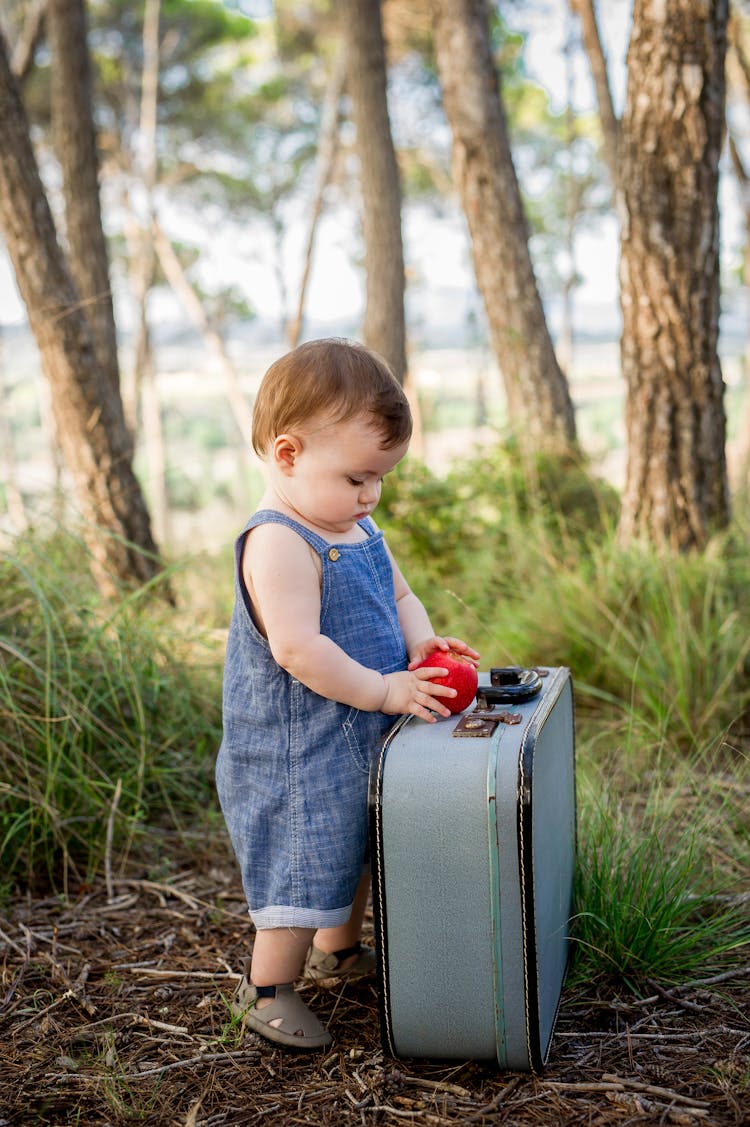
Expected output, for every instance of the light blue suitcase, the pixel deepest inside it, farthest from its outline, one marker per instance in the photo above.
(473, 836)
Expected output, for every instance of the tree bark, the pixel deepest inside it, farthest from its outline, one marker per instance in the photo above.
(539, 405)
(676, 489)
(566, 336)
(75, 146)
(88, 413)
(28, 40)
(384, 324)
(13, 496)
(143, 272)
(592, 45)
(326, 155)
(742, 445)
(154, 441)
(183, 289)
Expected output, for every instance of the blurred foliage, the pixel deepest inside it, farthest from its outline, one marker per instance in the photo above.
(462, 529)
(521, 559)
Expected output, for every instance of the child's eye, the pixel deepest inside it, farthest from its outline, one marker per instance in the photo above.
(354, 481)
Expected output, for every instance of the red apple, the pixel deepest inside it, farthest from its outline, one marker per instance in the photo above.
(462, 676)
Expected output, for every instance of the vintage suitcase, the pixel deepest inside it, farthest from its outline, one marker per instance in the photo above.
(472, 824)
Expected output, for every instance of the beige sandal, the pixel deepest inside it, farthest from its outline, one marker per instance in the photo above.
(298, 1028)
(319, 965)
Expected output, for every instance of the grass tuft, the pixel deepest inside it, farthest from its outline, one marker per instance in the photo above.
(652, 900)
(92, 695)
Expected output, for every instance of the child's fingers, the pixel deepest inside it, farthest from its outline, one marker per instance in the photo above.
(429, 686)
(427, 672)
(462, 648)
(431, 704)
(424, 714)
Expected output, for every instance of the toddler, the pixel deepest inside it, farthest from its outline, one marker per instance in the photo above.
(322, 645)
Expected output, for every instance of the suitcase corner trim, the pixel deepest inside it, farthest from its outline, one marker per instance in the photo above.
(379, 904)
(537, 1053)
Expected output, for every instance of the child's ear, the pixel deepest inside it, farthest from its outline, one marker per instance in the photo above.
(286, 449)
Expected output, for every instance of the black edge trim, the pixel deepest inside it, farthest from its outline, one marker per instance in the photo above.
(537, 1057)
(526, 880)
(568, 680)
(379, 905)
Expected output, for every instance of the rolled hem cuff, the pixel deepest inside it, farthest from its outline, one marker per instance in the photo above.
(280, 915)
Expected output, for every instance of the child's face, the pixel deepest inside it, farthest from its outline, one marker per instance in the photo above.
(332, 475)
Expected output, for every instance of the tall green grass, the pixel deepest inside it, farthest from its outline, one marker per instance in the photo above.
(659, 882)
(524, 562)
(519, 559)
(92, 695)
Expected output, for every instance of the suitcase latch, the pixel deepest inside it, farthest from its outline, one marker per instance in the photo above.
(509, 684)
(475, 727)
(482, 722)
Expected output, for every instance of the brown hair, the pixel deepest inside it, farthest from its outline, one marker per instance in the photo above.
(336, 379)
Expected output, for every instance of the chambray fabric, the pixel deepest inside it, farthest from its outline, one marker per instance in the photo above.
(292, 769)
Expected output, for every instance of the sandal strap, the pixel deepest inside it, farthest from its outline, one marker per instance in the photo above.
(295, 1016)
(347, 952)
(319, 965)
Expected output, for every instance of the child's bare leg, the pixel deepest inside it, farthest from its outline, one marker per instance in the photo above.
(330, 939)
(278, 954)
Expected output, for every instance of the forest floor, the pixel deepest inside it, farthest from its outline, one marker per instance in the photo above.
(114, 1010)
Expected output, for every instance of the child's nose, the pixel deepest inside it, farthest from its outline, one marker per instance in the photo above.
(370, 493)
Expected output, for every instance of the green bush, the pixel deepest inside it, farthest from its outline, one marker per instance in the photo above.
(521, 559)
(91, 694)
(467, 541)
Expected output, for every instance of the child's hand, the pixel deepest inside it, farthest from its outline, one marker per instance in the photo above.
(412, 691)
(429, 645)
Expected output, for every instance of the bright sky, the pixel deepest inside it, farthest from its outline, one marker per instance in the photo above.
(437, 249)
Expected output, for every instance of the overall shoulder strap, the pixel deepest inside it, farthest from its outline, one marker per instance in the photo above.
(271, 516)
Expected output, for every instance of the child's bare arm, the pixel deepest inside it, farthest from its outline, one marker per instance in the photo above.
(281, 574)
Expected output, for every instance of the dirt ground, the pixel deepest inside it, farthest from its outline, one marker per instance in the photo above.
(114, 1010)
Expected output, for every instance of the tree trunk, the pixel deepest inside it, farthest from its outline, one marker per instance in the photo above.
(13, 496)
(592, 45)
(539, 405)
(183, 289)
(49, 430)
(153, 437)
(143, 256)
(75, 147)
(88, 412)
(326, 155)
(566, 336)
(676, 488)
(385, 325)
(742, 445)
(28, 40)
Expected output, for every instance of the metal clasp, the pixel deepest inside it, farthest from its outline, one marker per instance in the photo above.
(484, 719)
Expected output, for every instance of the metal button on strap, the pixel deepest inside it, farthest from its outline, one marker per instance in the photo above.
(333, 554)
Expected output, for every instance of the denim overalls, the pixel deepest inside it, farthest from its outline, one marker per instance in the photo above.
(292, 770)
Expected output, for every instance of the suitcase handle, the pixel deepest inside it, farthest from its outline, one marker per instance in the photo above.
(511, 683)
